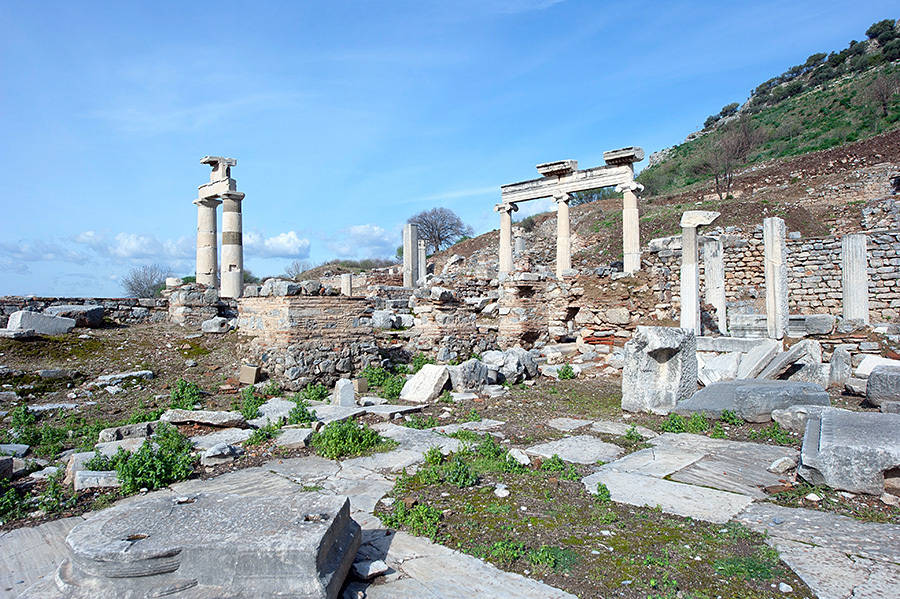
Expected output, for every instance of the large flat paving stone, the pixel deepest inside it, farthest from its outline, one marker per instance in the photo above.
(700, 503)
(656, 461)
(27, 555)
(567, 425)
(208, 545)
(581, 449)
(416, 439)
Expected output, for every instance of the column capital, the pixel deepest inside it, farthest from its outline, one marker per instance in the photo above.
(561, 196)
(629, 186)
(506, 208)
(207, 202)
(233, 195)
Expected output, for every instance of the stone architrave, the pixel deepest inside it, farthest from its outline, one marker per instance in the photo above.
(232, 279)
(422, 262)
(752, 400)
(714, 280)
(776, 277)
(563, 239)
(660, 369)
(347, 284)
(410, 254)
(506, 258)
(690, 273)
(558, 180)
(209, 545)
(855, 278)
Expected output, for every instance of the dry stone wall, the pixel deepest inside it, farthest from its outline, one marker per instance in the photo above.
(120, 310)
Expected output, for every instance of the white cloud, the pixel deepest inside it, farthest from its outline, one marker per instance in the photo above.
(38, 251)
(364, 241)
(283, 245)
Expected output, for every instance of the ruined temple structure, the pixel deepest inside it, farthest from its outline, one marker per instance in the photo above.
(221, 189)
(560, 179)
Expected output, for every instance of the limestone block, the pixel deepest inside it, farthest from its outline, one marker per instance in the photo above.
(75, 463)
(211, 545)
(518, 364)
(207, 417)
(753, 362)
(580, 449)
(619, 315)
(753, 400)
(141, 430)
(96, 479)
(249, 374)
(42, 324)
(216, 324)
(471, 375)
(869, 363)
(294, 438)
(855, 386)
(115, 379)
(805, 351)
(850, 450)
(723, 367)
(344, 394)
(230, 436)
(660, 369)
(383, 319)
(883, 385)
(839, 368)
(84, 316)
(793, 418)
(220, 453)
(272, 411)
(426, 385)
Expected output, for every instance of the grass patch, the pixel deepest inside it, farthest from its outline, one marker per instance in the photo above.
(349, 438)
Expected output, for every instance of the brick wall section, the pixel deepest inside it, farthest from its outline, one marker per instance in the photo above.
(120, 310)
(814, 273)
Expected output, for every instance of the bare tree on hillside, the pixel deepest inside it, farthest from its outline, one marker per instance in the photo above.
(881, 91)
(146, 280)
(440, 228)
(729, 152)
(297, 268)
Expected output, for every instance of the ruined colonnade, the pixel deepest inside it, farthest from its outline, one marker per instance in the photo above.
(221, 189)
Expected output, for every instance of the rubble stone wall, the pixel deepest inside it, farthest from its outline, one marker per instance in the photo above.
(451, 329)
(121, 310)
(814, 273)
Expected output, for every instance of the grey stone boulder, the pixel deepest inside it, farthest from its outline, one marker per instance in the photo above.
(311, 287)
(807, 351)
(42, 324)
(14, 449)
(207, 417)
(227, 435)
(426, 385)
(441, 294)
(660, 369)
(883, 385)
(869, 363)
(518, 364)
(209, 545)
(84, 316)
(794, 418)
(839, 367)
(344, 394)
(850, 451)
(220, 453)
(471, 375)
(6, 467)
(216, 324)
(272, 411)
(293, 438)
(96, 479)
(754, 399)
(384, 319)
(141, 430)
(759, 356)
(115, 379)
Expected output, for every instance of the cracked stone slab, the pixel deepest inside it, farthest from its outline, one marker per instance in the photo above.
(29, 554)
(871, 540)
(581, 449)
(272, 411)
(681, 499)
(328, 413)
(415, 439)
(609, 427)
(388, 411)
(229, 436)
(485, 424)
(655, 461)
(567, 425)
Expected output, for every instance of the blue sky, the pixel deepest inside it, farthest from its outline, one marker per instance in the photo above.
(346, 117)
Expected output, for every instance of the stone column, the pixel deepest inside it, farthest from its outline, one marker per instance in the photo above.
(410, 254)
(232, 281)
(714, 279)
(563, 240)
(776, 277)
(207, 244)
(347, 284)
(506, 258)
(690, 273)
(519, 248)
(631, 226)
(422, 261)
(855, 278)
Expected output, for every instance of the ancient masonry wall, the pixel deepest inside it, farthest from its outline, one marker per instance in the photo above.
(306, 338)
(814, 274)
(120, 310)
(452, 329)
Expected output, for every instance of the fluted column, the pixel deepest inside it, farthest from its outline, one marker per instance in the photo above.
(855, 278)
(631, 227)
(506, 257)
(775, 260)
(563, 240)
(207, 244)
(232, 280)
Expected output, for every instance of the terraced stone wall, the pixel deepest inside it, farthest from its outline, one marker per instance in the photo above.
(123, 310)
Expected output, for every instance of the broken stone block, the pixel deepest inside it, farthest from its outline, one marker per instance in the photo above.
(216, 324)
(850, 451)
(84, 316)
(383, 319)
(807, 351)
(272, 411)
(782, 465)
(855, 386)
(14, 449)
(471, 375)
(141, 430)
(111, 448)
(249, 374)
(580, 449)
(76, 462)
(753, 362)
(369, 569)
(220, 453)
(230, 436)
(753, 400)
(18, 334)
(344, 394)
(839, 368)
(723, 367)
(115, 379)
(794, 418)
(294, 438)
(426, 385)
(518, 364)
(883, 385)
(96, 479)
(43, 324)
(210, 545)
(207, 417)
(660, 369)
(869, 363)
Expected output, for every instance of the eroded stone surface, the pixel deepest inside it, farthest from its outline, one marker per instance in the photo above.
(752, 400)
(581, 449)
(660, 369)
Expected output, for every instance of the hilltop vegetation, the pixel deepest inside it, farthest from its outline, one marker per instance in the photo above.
(829, 100)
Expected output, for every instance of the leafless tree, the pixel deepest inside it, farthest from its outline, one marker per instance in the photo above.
(296, 268)
(882, 90)
(728, 152)
(146, 280)
(440, 228)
